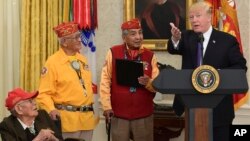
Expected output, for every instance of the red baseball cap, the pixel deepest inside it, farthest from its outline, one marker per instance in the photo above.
(66, 28)
(131, 24)
(17, 95)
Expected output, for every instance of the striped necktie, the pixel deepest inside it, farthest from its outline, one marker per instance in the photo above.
(32, 130)
(200, 51)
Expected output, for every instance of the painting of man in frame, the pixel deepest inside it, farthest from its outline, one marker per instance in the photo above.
(155, 16)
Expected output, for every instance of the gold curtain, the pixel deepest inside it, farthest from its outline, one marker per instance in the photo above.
(38, 41)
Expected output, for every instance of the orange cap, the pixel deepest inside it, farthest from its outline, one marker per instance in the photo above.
(65, 29)
(131, 24)
(17, 95)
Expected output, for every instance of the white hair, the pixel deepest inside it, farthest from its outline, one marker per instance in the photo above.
(201, 5)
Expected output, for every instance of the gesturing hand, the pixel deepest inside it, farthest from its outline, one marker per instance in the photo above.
(176, 33)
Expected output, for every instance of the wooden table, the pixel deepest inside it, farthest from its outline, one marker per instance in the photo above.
(166, 124)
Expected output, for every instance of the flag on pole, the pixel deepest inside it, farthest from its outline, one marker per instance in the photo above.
(225, 19)
(85, 14)
(89, 51)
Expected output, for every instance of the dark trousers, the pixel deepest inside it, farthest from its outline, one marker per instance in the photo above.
(221, 133)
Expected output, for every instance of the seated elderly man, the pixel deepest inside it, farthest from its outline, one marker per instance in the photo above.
(26, 123)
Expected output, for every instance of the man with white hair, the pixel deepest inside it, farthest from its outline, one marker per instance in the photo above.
(66, 85)
(220, 50)
(26, 123)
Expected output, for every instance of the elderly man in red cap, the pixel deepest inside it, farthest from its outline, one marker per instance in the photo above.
(26, 123)
(131, 108)
(66, 87)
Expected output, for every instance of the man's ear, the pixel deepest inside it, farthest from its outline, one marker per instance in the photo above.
(124, 38)
(18, 109)
(63, 42)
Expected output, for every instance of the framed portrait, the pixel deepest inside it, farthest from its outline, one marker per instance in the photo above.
(155, 16)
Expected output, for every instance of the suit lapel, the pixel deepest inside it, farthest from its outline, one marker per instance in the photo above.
(19, 129)
(39, 122)
(193, 48)
(39, 125)
(211, 44)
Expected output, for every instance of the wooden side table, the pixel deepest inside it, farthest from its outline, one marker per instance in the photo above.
(167, 124)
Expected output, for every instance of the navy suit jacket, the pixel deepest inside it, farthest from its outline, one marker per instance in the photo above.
(12, 130)
(222, 52)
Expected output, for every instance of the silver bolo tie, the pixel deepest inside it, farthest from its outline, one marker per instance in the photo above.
(76, 66)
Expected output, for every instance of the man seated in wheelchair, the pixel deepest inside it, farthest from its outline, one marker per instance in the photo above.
(26, 122)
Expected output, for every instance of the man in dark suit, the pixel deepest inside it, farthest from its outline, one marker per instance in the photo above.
(220, 50)
(26, 123)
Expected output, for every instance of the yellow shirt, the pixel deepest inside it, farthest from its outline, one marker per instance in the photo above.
(106, 80)
(60, 84)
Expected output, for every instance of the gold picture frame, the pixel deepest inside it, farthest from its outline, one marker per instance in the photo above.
(153, 44)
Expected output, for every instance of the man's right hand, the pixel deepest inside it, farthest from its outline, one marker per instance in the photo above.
(176, 33)
(46, 135)
(108, 114)
(54, 114)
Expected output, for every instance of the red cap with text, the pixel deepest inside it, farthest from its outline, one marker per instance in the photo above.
(65, 29)
(131, 24)
(17, 95)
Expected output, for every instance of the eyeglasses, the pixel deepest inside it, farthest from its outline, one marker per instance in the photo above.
(32, 101)
(76, 37)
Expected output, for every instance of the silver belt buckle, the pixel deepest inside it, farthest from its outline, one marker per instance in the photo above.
(83, 108)
(70, 108)
(88, 108)
(58, 106)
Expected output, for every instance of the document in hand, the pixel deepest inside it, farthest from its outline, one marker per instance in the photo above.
(128, 71)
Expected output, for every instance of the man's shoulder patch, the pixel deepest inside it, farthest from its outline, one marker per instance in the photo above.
(44, 71)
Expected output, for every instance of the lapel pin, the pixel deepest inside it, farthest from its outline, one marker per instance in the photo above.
(214, 41)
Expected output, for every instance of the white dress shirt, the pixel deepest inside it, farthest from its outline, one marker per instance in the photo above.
(206, 36)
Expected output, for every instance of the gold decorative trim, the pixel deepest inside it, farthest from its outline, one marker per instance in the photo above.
(153, 44)
(205, 79)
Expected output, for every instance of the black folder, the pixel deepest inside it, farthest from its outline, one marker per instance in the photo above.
(128, 71)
